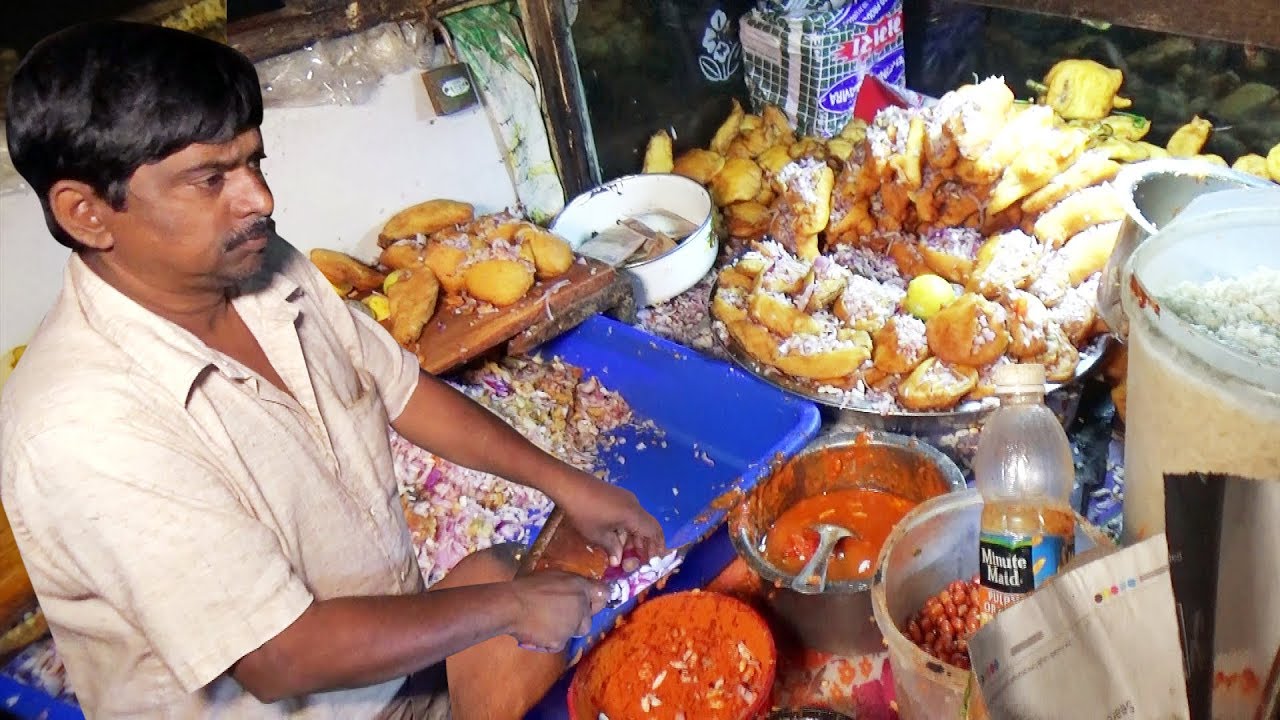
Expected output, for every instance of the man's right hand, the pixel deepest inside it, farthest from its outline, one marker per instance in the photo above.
(555, 606)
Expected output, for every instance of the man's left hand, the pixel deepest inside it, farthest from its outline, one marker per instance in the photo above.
(611, 518)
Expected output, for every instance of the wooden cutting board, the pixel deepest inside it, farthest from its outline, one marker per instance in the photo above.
(16, 594)
(552, 306)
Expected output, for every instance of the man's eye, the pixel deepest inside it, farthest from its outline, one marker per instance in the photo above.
(211, 181)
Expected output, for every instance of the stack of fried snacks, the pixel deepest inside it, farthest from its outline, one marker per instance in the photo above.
(745, 167)
(439, 251)
(954, 238)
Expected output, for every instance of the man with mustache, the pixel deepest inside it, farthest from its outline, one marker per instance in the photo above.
(193, 451)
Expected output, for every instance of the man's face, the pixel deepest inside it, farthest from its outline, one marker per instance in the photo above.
(199, 219)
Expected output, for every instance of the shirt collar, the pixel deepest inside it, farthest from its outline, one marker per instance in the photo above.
(171, 355)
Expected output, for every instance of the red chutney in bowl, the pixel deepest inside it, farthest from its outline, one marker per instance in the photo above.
(684, 656)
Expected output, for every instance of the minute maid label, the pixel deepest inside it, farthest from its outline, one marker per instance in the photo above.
(1012, 565)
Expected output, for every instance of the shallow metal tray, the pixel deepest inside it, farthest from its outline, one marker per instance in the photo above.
(906, 422)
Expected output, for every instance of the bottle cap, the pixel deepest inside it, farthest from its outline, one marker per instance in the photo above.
(1016, 378)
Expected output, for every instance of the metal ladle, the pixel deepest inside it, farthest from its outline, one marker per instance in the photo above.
(816, 568)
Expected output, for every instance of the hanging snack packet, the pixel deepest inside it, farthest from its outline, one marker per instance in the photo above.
(810, 57)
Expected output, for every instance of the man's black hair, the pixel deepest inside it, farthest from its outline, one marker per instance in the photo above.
(97, 101)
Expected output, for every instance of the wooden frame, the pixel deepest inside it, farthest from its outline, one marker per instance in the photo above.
(303, 22)
(1249, 22)
(547, 33)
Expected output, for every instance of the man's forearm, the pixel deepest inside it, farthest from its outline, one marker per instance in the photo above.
(360, 641)
(447, 423)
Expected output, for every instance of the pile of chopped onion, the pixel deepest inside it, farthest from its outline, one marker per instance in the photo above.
(454, 511)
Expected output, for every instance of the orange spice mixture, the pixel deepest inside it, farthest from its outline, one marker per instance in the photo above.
(683, 656)
(869, 514)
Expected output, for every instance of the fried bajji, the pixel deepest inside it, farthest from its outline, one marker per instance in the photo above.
(1036, 167)
(1077, 212)
(728, 129)
(1091, 168)
(936, 385)
(445, 261)
(498, 282)
(1005, 262)
(402, 254)
(970, 331)
(342, 270)
(979, 114)
(804, 207)
(1083, 89)
(1190, 139)
(840, 149)
(825, 363)
(552, 256)
(775, 158)
(1027, 129)
(734, 277)
(1027, 322)
(658, 154)
(424, 219)
(900, 345)
(827, 281)
(867, 304)
(854, 131)
(1087, 251)
(906, 255)
(908, 163)
(739, 180)
(1060, 357)
(747, 219)
(699, 165)
(776, 124)
(1252, 164)
(412, 300)
(726, 305)
(780, 315)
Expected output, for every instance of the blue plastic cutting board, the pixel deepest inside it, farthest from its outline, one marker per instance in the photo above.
(704, 406)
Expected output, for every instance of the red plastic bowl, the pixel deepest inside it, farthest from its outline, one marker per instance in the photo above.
(651, 635)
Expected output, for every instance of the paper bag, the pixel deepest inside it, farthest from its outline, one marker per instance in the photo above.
(1100, 641)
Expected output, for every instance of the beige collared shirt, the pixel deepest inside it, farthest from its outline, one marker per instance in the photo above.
(176, 511)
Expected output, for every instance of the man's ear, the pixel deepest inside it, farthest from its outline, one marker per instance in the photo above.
(81, 213)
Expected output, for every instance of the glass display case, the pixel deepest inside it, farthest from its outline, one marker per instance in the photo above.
(1170, 76)
(636, 66)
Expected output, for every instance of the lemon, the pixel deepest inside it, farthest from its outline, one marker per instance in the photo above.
(379, 305)
(392, 279)
(927, 294)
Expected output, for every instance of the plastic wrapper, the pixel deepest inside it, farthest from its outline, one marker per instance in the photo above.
(810, 58)
(345, 70)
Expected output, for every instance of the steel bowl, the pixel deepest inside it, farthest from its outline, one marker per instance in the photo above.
(658, 279)
(839, 619)
(1153, 193)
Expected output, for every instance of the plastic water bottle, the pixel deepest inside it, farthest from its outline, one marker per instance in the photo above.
(1024, 471)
